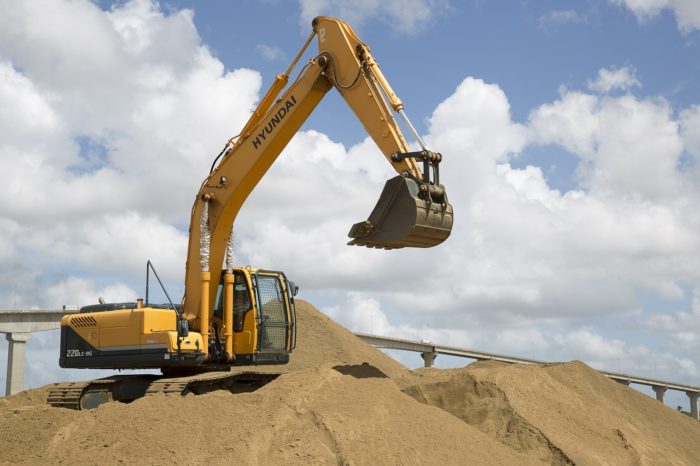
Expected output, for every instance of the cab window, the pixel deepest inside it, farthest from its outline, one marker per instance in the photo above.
(241, 301)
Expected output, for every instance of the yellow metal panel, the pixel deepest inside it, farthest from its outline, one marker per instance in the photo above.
(119, 328)
(155, 340)
(246, 341)
(158, 320)
(192, 342)
(242, 343)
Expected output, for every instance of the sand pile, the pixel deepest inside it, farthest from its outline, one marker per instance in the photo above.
(560, 413)
(314, 416)
(329, 408)
(321, 340)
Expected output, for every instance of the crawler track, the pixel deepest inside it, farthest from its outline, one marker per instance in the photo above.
(92, 393)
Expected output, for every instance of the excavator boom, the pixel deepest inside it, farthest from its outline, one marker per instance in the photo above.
(413, 210)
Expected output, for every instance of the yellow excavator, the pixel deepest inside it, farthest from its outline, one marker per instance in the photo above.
(242, 316)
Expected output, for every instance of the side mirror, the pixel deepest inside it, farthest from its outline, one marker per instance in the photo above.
(183, 328)
(293, 288)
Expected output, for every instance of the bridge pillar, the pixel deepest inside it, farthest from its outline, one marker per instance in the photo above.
(429, 358)
(659, 390)
(693, 397)
(15, 361)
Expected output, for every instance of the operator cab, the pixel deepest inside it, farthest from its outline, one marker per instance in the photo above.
(264, 317)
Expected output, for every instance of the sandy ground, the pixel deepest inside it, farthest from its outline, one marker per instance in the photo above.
(328, 407)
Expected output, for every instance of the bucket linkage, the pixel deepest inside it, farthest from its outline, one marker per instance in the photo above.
(410, 212)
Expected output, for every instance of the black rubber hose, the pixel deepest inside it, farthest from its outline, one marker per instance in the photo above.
(217, 158)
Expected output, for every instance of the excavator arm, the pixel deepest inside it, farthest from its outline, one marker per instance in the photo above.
(413, 210)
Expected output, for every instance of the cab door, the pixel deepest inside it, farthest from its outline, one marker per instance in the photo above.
(275, 319)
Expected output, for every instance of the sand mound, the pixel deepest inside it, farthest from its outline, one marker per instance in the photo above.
(314, 416)
(23, 399)
(483, 405)
(341, 401)
(320, 340)
(560, 413)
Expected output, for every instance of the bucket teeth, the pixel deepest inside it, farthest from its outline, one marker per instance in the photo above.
(361, 229)
(402, 219)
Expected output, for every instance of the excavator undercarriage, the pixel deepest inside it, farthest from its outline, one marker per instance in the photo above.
(126, 388)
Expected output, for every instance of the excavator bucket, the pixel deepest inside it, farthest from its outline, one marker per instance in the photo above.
(402, 219)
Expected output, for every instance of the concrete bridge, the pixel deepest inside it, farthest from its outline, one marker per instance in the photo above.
(19, 325)
(429, 352)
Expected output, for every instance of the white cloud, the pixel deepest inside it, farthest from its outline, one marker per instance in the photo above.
(690, 131)
(588, 344)
(610, 79)
(24, 111)
(98, 244)
(364, 314)
(524, 341)
(270, 52)
(135, 116)
(682, 327)
(687, 12)
(91, 126)
(465, 122)
(81, 292)
(617, 356)
(559, 17)
(403, 16)
(644, 8)
(630, 146)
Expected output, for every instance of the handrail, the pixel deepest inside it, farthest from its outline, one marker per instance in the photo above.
(429, 347)
(149, 267)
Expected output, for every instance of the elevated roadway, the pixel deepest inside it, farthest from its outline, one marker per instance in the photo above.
(429, 351)
(18, 327)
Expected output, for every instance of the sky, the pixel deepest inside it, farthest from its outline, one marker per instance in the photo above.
(570, 133)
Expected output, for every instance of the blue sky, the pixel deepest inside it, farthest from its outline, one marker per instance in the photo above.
(529, 48)
(571, 136)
